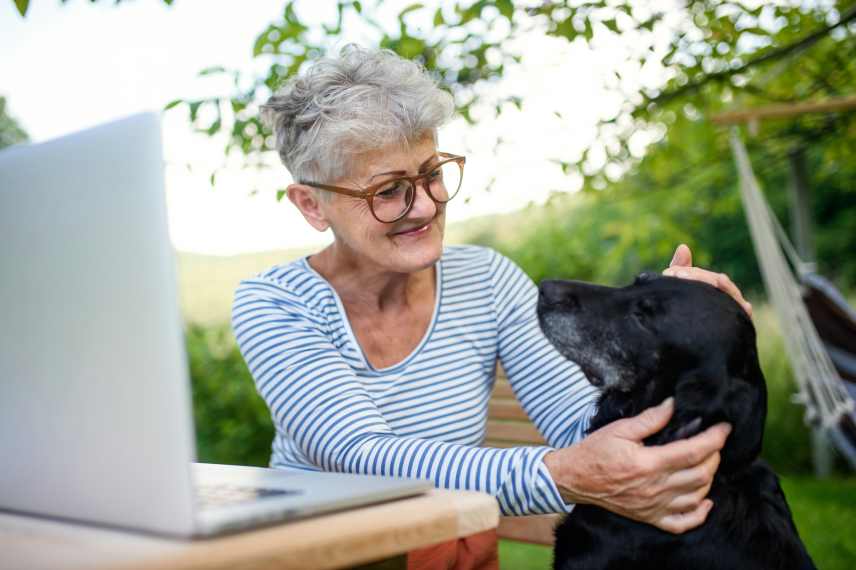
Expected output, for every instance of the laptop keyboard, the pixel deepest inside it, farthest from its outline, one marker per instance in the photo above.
(221, 494)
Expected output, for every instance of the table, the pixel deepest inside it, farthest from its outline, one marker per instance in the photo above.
(336, 540)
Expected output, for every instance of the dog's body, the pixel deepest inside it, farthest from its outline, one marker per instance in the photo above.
(664, 337)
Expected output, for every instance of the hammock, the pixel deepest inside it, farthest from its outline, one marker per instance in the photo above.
(818, 326)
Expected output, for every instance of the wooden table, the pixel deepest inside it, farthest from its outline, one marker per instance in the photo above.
(335, 540)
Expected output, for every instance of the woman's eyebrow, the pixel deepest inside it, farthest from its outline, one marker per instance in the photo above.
(425, 163)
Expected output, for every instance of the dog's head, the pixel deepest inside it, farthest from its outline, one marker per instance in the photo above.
(661, 337)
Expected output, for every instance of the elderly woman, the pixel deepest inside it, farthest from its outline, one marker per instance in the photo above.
(377, 354)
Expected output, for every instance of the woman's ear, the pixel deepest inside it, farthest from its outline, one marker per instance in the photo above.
(306, 200)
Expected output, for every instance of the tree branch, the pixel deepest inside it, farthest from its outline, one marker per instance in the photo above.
(772, 55)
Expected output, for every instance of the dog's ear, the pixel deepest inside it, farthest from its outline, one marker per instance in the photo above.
(704, 397)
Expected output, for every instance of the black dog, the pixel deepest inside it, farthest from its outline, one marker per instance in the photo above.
(640, 344)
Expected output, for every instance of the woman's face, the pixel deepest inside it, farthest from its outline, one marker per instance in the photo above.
(410, 244)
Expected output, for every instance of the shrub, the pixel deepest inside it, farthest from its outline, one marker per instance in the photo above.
(233, 424)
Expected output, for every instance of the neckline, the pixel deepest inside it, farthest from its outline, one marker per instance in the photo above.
(438, 289)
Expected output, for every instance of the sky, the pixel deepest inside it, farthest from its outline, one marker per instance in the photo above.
(68, 67)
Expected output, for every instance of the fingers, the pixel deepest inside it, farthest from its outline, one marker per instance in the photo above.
(725, 283)
(686, 453)
(682, 522)
(683, 257)
(719, 280)
(693, 479)
(687, 502)
(647, 423)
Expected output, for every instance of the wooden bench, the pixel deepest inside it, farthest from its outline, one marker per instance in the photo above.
(509, 426)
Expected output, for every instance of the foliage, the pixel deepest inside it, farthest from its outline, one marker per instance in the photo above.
(10, 132)
(685, 190)
(709, 55)
(709, 52)
(232, 422)
(22, 6)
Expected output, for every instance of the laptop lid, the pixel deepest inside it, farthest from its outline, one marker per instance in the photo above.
(95, 418)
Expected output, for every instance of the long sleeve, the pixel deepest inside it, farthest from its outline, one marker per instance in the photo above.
(553, 391)
(319, 403)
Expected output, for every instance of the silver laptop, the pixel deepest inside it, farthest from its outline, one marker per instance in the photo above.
(95, 413)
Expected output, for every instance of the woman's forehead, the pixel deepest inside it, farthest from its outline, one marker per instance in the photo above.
(396, 158)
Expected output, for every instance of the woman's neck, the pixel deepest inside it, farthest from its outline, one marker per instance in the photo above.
(364, 286)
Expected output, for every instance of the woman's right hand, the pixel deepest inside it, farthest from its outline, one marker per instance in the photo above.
(666, 485)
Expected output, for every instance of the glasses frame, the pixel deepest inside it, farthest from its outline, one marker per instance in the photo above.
(369, 192)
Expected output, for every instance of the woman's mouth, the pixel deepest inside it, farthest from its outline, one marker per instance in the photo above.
(414, 231)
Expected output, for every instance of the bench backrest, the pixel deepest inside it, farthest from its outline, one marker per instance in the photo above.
(509, 426)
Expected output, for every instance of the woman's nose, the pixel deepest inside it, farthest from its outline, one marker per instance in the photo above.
(423, 205)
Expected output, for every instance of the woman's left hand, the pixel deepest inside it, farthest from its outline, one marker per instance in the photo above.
(681, 266)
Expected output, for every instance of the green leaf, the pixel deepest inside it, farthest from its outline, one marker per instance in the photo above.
(409, 47)
(194, 109)
(279, 195)
(506, 8)
(610, 23)
(173, 103)
(211, 70)
(212, 178)
(22, 6)
(439, 20)
(261, 42)
(215, 126)
(588, 32)
(565, 29)
(411, 8)
(358, 6)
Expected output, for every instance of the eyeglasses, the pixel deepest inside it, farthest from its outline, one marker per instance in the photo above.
(391, 200)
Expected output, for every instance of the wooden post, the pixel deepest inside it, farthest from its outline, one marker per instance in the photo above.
(803, 234)
(800, 206)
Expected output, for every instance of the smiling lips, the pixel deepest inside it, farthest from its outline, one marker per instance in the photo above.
(414, 232)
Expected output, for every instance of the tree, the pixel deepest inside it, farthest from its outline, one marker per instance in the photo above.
(24, 5)
(712, 55)
(711, 52)
(10, 132)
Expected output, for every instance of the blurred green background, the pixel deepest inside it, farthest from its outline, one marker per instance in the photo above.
(635, 202)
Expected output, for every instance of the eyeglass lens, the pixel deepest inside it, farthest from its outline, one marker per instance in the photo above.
(392, 200)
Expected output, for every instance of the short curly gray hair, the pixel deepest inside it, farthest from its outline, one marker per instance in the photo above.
(342, 106)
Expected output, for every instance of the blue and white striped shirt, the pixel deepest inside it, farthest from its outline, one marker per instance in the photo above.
(425, 416)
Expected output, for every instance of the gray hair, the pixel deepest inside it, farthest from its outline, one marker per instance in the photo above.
(342, 106)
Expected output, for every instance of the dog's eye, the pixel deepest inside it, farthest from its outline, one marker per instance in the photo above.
(642, 278)
(643, 311)
(646, 306)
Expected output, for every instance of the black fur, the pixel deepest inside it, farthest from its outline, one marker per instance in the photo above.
(663, 337)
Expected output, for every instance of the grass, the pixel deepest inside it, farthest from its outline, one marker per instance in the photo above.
(208, 282)
(824, 517)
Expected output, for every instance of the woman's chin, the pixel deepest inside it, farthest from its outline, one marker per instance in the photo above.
(412, 253)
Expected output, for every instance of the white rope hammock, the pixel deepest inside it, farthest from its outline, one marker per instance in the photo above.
(821, 390)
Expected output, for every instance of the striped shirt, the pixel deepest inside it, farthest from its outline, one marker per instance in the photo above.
(424, 417)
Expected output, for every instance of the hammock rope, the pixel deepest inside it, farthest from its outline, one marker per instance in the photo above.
(828, 405)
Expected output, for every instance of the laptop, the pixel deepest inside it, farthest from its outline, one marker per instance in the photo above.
(95, 407)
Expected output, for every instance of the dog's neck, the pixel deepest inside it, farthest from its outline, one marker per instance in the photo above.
(693, 414)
